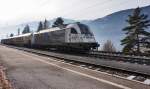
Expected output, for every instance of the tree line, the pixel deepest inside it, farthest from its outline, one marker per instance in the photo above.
(59, 22)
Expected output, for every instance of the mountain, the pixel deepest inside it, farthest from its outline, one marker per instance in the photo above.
(110, 27)
(106, 28)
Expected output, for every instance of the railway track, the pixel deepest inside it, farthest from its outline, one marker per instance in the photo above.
(144, 60)
(117, 68)
(124, 54)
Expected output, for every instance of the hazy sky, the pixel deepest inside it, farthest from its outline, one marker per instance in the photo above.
(18, 11)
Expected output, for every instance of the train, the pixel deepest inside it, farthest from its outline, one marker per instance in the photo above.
(72, 37)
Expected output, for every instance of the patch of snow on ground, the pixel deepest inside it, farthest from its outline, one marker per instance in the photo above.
(147, 81)
(131, 77)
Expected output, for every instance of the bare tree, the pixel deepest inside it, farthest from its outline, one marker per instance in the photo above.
(109, 47)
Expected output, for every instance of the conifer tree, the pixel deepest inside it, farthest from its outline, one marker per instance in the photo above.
(11, 35)
(135, 32)
(46, 24)
(18, 31)
(40, 27)
(26, 29)
(59, 22)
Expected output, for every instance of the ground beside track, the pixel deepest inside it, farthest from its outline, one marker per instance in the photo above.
(30, 71)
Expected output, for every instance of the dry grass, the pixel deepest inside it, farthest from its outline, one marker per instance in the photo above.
(4, 83)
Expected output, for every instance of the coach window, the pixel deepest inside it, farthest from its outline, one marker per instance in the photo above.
(73, 31)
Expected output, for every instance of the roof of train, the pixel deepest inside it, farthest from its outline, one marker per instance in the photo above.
(49, 30)
(42, 31)
(27, 34)
(56, 28)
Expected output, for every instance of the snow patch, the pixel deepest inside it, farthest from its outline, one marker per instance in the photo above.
(131, 77)
(147, 81)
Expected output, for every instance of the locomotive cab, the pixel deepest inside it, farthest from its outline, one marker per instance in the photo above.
(79, 35)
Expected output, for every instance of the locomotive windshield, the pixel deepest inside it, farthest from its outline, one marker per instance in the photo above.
(84, 29)
(73, 31)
